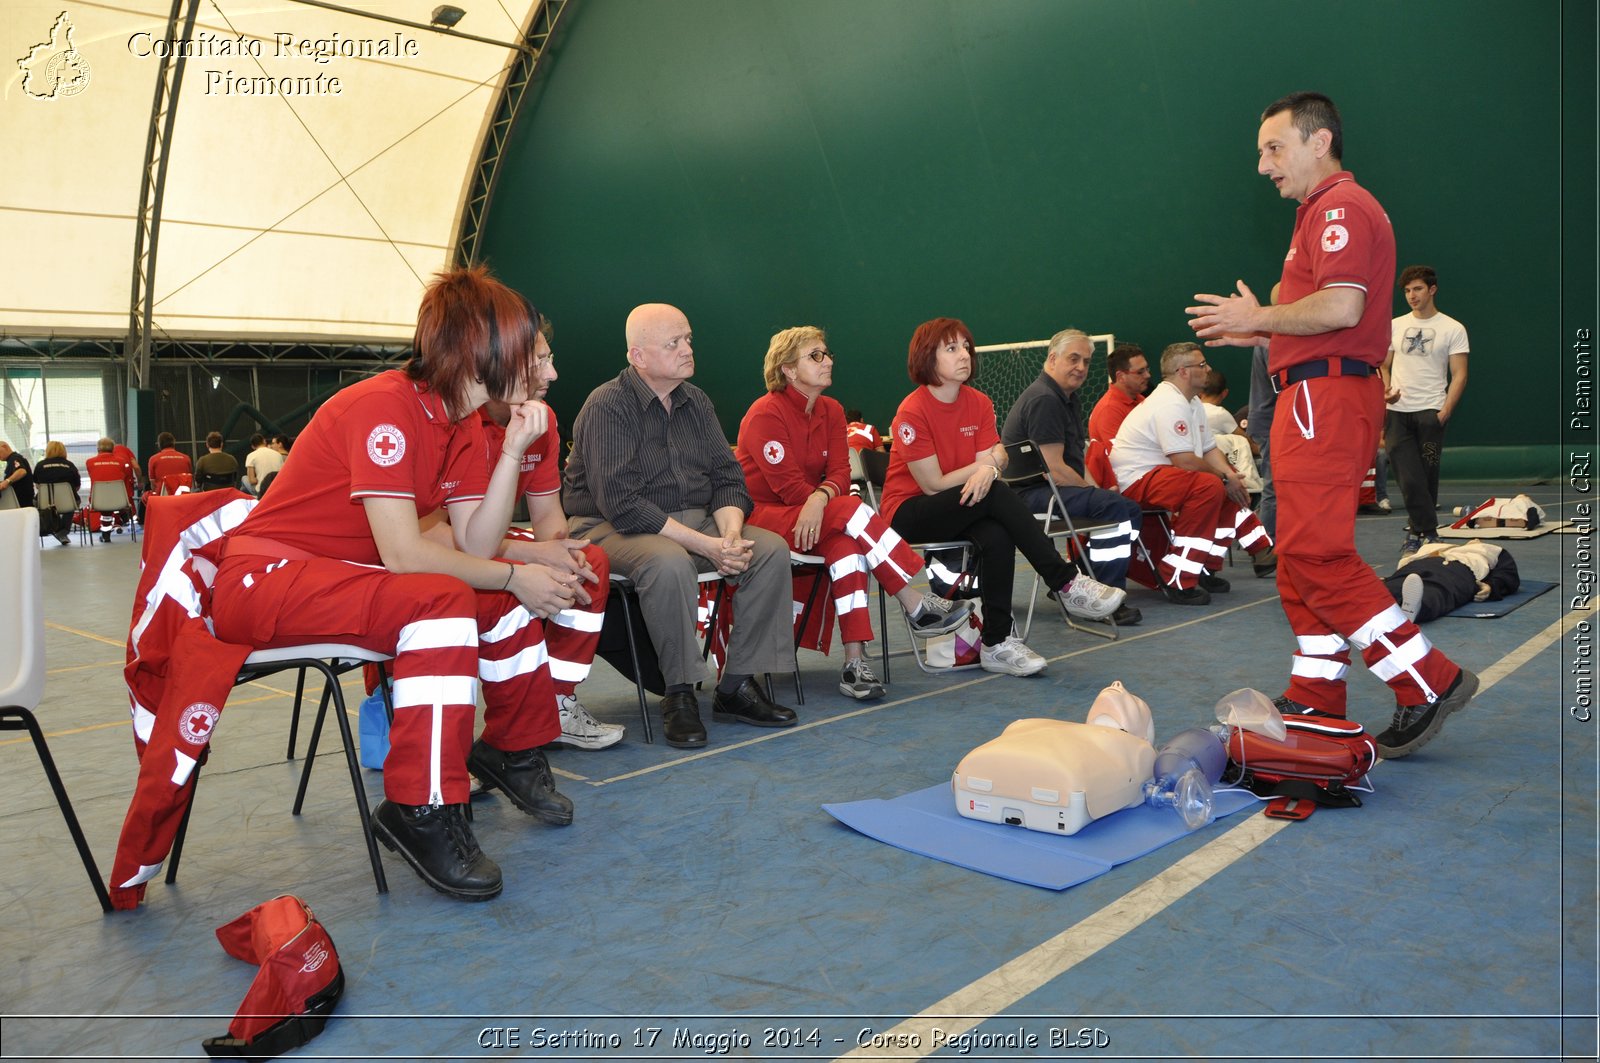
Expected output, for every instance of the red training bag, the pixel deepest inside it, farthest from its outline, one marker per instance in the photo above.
(1316, 764)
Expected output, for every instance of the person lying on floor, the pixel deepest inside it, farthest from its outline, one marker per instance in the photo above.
(1442, 577)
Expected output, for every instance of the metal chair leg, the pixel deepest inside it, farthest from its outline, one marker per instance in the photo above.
(25, 720)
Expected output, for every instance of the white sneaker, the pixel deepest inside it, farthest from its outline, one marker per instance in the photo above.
(1383, 504)
(582, 731)
(1411, 596)
(1090, 598)
(1011, 657)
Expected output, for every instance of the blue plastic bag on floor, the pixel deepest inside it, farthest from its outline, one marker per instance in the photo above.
(373, 728)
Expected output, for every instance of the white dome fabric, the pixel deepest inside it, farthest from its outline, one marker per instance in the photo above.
(319, 164)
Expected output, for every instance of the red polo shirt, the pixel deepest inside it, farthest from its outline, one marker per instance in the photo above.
(1342, 239)
(385, 437)
(541, 462)
(924, 427)
(1109, 413)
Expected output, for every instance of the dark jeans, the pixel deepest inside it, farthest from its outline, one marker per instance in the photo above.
(1414, 441)
(997, 525)
(1109, 552)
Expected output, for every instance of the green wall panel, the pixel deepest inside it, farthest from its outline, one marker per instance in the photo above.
(1026, 165)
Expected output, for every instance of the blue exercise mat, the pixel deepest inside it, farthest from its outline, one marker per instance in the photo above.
(1530, 589)
(925, 822)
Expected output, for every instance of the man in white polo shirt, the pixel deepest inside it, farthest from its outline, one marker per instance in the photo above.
(1425, 374)
(1165, 457)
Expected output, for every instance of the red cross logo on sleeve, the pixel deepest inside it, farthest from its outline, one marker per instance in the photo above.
(773, 452)
(386, 445)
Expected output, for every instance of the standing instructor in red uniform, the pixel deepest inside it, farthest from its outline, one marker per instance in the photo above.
(1329, 332)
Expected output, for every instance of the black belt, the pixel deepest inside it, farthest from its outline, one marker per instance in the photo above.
(1288, 378)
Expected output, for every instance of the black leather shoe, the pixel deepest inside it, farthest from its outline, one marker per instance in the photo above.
(525, 777)
(438, 844)
(1186, 595)
(680, 721)
(1214, 584)
(1266, 564)
(749, 704)
(1126, 615)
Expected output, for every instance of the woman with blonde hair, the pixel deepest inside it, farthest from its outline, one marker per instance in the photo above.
(796, 466)
(56, 468)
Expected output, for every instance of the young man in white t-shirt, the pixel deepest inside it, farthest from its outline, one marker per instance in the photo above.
(1425, 374)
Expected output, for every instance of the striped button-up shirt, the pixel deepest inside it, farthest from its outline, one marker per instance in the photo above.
(634, 460)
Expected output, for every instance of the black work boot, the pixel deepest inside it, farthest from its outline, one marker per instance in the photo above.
(525, 777)
(437, 842)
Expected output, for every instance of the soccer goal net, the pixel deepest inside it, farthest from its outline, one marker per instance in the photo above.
(1006, 369)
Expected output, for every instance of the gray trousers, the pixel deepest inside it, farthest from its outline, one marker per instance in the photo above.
(666, 575)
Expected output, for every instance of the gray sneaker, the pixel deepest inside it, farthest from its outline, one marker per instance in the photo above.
(938, 616)
(858, 681)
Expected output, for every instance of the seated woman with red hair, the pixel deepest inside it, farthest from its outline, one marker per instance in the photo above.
(943, 484)
(338, 554)
(797, 468)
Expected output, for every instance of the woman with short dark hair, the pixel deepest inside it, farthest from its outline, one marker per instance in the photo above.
(943, 484)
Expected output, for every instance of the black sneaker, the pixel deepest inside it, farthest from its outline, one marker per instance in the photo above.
(1186, 595)
(1287, 706)
(439, 845)
(1415, 725)
(1214, 584)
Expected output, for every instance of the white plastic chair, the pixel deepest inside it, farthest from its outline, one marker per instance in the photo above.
(22, 673)
(8, 498)
(58, 499)
(111, 496)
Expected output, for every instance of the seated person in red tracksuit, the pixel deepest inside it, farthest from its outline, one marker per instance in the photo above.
(337, 554)
(794, 455)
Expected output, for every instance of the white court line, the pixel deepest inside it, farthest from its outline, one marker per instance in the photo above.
(1003, 987)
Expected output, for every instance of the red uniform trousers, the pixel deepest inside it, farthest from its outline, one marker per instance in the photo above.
(445, 637)
(1204, 521)
(852, 539)
(1324, 433)
(572, 635)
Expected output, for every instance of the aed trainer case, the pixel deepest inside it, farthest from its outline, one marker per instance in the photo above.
(1052, 775)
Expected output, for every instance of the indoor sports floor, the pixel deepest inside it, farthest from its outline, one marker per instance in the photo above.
(703, 904)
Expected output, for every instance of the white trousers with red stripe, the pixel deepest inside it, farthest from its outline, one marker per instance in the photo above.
(853, 540)
(1324, 433)
(1204, 521)
(445, 638)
